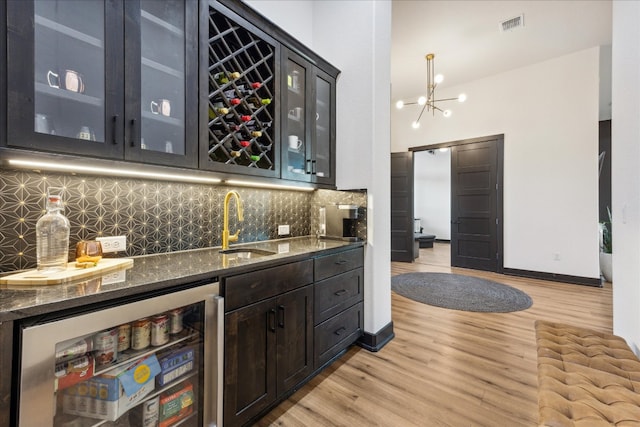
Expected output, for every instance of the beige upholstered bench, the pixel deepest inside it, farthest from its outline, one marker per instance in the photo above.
(585, 378)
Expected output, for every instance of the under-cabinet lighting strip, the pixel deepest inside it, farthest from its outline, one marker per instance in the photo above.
(67, 167)
(266, 185)
(111, 171)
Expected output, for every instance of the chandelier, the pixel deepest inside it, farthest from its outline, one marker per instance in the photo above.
(429, 102)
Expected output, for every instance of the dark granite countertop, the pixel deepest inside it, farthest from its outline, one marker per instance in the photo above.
(156, 273)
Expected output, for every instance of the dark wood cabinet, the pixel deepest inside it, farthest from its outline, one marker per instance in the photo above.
(242, 96)
(250, 362)
(104, 78)
(268, 342)
(308, 124)
(338, 303)
(284, 323)
(208, 85)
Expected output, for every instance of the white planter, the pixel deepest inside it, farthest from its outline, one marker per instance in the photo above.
(605, 266)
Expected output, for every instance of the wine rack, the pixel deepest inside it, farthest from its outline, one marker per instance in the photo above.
(241, 95)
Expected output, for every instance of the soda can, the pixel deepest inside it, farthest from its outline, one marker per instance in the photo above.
(159, 330)
(141, 334)
(175, 321)
(105, 346)
(124, 337)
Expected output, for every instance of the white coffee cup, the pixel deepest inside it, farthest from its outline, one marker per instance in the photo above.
(294, 142)
(295, 113)
(161, 106)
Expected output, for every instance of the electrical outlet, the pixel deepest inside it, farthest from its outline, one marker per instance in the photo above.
(283, 230)
(113, 244)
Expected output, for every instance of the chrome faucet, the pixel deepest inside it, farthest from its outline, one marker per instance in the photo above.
(226, 237)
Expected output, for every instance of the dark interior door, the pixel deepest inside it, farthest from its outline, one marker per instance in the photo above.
(402, 207)
(476, 204)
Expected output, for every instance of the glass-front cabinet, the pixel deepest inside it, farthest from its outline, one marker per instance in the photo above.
(105, 78)
(308, 133)
(296, 163)
(324, 129)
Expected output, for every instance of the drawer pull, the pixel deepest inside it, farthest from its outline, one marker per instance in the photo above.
(272, 320)
(340, 292)
(342, 262)
(133, 136)
(281, 316)
(340, 330)
(114, 130)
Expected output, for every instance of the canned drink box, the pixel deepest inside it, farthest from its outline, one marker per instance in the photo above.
(175, 364)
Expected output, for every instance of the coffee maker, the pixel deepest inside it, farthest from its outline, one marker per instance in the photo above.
(339, 221)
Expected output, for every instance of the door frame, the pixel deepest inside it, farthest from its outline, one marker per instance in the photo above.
(499, 179)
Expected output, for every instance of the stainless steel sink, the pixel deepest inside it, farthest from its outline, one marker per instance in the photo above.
(247, 253)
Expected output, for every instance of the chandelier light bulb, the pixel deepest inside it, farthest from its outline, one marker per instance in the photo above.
(430, 101)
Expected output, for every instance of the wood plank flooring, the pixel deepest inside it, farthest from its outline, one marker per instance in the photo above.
(445, 367)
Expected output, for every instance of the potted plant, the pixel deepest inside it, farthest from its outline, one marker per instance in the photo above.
(606, 248)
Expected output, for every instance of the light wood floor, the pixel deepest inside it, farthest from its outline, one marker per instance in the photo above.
(445, 367)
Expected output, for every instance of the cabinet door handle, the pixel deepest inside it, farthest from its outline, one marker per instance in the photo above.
(308, 170)
(313, 167)
(272, 320)
(133, 132)
(342, 262)
(340, 292)
(340, 330)
(281, 316)
(114, 130)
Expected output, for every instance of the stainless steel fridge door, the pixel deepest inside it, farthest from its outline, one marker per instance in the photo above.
(37, 376)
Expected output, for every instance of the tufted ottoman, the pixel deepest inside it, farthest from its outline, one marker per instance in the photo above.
(585, 378)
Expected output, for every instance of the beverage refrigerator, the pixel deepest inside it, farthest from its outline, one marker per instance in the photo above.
(151, 360)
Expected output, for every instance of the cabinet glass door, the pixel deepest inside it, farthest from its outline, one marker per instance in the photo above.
(60, 76)
(69, 69)
(295, 143)
(162, 76)
(161, 84)
(321, 165)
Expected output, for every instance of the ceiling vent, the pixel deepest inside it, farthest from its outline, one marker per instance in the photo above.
(512, 23)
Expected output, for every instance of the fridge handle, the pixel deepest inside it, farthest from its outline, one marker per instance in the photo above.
(214, 380)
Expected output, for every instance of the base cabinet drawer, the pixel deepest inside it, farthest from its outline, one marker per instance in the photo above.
(336, 293)
(337, 333)
(330, 265)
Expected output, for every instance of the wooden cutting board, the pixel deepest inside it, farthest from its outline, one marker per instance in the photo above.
(34, 277)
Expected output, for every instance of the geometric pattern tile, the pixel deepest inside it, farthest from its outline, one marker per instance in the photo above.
(156, 216)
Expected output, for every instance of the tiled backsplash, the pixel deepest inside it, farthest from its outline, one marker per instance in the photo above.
(155, 216)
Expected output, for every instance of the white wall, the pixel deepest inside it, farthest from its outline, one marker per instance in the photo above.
(548, 113)
(625, 139)
(295, 17)
(361, 49)
(432, 192)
